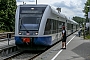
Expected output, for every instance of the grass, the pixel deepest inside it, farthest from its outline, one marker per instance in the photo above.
(87, 36)
(1, 31)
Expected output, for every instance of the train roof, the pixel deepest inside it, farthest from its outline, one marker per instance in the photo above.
(53, 10)
(28, 5)
(56, 12)
(74, 21)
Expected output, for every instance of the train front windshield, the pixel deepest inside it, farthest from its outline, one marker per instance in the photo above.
(30, 18)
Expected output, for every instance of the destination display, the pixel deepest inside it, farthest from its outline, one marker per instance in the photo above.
(31, 11)
(30, 15)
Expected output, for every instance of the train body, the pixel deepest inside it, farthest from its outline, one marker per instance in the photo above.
(40, 25)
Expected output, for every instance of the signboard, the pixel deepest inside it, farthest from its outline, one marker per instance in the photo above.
(88, 14)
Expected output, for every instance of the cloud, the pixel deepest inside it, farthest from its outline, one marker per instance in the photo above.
(68, 7)
(63, 4)
(71, 8)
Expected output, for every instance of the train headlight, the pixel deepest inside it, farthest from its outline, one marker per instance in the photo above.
(32, 8)
(20, 33)
(36, 33)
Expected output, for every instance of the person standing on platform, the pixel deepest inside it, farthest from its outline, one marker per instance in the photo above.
(63, 38)
(80, 31)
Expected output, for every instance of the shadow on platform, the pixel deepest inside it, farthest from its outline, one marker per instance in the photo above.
(82, 50)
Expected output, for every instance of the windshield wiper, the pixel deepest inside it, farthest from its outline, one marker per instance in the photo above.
(22, 25)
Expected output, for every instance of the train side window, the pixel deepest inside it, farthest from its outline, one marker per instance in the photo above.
(59, 26)
(54, 26)
(48, 27)
(68, 26)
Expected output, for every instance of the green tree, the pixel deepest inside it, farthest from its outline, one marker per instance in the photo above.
(79, 20)
(86, 9)
(7, 14)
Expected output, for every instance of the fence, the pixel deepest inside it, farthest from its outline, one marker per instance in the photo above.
(6, 36)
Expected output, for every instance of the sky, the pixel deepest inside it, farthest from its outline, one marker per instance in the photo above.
(70, 8)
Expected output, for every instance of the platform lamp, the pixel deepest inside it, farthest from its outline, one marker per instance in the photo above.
(84, 32)
(59, 9)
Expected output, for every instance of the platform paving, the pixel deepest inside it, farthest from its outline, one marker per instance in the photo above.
(77, 49)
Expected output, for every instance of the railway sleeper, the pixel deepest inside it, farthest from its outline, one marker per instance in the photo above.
(7, 50)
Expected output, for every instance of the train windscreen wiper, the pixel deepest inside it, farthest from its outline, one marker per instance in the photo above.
(22, 25)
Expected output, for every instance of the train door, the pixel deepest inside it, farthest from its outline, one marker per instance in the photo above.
(57, 30)
(76, 27)
(71, 28)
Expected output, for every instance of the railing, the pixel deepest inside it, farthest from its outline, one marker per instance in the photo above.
(6, 36)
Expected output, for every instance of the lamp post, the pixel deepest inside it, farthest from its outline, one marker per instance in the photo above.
(59, 9)
(89, 18)
(84, 32)
(36, 2)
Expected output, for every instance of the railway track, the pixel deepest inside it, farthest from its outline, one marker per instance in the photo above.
(11, 52)
(23, 55)
(26, 55)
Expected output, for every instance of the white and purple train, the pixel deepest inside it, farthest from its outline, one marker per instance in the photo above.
(40, 25)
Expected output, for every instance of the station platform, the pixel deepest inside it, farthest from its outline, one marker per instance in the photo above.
(77, 49)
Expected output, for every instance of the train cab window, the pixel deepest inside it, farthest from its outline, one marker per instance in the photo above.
(30, 18)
